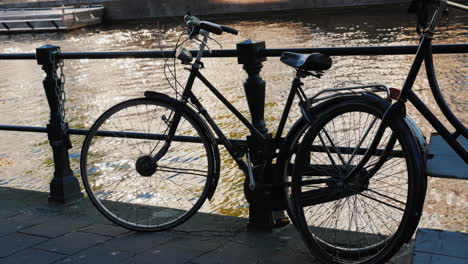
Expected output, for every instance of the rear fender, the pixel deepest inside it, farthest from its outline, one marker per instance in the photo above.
(417, 134)
(302, 123)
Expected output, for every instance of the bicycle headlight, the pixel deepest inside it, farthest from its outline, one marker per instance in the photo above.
(184, 55)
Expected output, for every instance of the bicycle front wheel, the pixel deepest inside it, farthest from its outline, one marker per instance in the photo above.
(351, 222)
(147, 198)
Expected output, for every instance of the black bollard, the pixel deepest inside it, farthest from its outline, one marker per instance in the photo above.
(260, 208)
(64, 186)
(254, 86)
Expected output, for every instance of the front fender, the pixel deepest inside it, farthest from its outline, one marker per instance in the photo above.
(152, 94)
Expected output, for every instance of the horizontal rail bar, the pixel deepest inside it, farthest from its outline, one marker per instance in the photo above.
(17, 56)
(338, 51)
(83, 132)
(360, 151)
(378, 50)
(144, 54)
(24, 128)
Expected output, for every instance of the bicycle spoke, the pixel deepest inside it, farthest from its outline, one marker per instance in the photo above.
(184, 171)
(361, 140)
(382, 202)
(330, 156)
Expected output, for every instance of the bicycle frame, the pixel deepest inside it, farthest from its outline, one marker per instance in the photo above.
(397, 110)
(236, 150)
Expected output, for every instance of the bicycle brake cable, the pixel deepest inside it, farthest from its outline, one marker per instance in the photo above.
(219, 44)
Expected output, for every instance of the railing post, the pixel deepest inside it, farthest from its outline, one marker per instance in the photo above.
(254, 86)
(260, 208)
(64, 186)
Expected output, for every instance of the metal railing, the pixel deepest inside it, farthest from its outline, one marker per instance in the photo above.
(64, 186)
(336, 51)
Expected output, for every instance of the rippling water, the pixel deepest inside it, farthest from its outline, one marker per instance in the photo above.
(94, 85)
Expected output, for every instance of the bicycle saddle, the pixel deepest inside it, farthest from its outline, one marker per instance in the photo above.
(311, 62)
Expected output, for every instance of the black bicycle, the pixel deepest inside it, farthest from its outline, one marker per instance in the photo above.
(359, 179)
(149, 164)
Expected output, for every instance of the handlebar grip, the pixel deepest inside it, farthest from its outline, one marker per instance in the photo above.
(230, 30)
(211, 27)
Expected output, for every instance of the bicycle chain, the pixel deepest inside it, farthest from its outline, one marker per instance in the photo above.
(59, 89)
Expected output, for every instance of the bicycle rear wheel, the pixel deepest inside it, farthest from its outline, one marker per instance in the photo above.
(345, 223)
(163, 196)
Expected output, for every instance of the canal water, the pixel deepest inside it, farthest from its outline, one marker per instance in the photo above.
(95, 85)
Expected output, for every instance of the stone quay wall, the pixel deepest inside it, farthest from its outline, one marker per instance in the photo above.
(151, 9)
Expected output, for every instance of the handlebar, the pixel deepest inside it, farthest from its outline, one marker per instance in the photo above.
(230, 30)
(211, 27)
(457, 6)
(195, 25)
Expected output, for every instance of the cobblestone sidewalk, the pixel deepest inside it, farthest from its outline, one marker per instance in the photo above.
(32, 231)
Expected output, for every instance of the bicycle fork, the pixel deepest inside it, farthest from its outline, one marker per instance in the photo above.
(146, 165)
(173, 124)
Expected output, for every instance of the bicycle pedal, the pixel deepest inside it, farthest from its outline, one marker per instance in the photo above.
(281, 222)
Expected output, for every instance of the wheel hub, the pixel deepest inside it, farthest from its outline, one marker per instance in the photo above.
(359, 182)
(145, 166)
(356, 184)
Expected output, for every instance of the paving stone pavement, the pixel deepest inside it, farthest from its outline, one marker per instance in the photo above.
(34, 231)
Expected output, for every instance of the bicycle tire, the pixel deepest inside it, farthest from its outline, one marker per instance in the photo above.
(334, 218)
(287, 150)
(182, 178)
